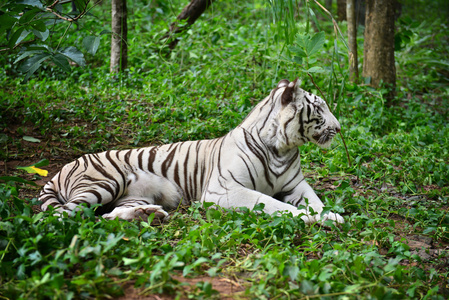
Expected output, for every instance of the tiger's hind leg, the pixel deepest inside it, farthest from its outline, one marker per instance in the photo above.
(147, 193)
(133, 208)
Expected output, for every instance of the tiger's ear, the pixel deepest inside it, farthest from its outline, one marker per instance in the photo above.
(282, 83)
(287, 95)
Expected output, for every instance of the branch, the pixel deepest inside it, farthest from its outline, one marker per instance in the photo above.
(190, 14)
(16, 46)
(79, 16)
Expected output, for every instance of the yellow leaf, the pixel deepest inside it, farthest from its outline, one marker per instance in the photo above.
(40, 172)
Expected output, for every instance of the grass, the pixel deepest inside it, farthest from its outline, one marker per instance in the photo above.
(394, 197)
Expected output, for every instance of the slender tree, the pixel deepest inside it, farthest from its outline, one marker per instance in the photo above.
(352, 40)
(119, 46)
(379, 63)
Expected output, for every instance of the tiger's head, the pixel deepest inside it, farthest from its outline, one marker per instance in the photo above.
(302, 117)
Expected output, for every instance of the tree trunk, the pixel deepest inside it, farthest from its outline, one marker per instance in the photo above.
(341, 10)
(119, 46)
(352, 40)
(360, 12)
(190, 14)
(378, 60)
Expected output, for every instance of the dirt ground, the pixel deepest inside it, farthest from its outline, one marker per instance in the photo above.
(227, 289)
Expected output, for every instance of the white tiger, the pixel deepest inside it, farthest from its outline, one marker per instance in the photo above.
(257, 162)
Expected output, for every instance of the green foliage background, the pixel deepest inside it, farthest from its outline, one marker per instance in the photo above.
(397, 186)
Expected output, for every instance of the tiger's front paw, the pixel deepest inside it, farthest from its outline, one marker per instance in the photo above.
(334, 217)
(309, 219)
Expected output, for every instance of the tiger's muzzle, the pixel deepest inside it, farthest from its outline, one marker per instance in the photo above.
(324, 138)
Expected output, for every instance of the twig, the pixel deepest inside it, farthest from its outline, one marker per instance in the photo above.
(53, 4)
(74, 19)
(18, 45)
(336, 28)
(341, 135)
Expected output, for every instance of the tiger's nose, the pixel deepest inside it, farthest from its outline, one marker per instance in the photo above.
(337, 129)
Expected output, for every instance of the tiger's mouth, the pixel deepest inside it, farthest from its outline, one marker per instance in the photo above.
(324, 138)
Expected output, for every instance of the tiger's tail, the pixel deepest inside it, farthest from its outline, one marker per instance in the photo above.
(50, 195)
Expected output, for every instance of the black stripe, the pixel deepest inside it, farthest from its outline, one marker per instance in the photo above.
(267, 118)
(259, 153)
(168, 160)
(97, 158)
(104, 185)
(249, 173)
(113, 163)
(301, 122)
(107, 175)
(127, 155)
(176, 174)
(195, 170)
(186, 175)
(140, 159)
(151, 158)
(235, 179)
(96, 194)
(293, 178)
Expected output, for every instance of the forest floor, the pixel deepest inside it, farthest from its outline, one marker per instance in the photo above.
(231, 287)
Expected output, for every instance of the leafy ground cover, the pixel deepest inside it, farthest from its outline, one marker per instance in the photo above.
(394, 196)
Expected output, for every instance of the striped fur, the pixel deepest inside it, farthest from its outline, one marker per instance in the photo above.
(257, 162)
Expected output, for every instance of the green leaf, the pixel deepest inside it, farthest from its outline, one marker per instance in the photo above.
(6, 22)
(91, 43)
(33, 63)
(39, 25)
(31, 139)
(42, 163)
(61, 61)
(105, 32)
(297, 51)
(75, 55)
(325, 274)
(29, 16)
(315, 70)
(81, 4)
(354, 288)
(44, 49)
(3, 138)
(315, 43)
(41, 35)
(307, 287)
(429, 229)
(35, 3)
(18, 36)
(26, 54)
(34, 170)
(130, 261)
(292, 271)
(17, 179)
(301, 40)
(40, 47)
